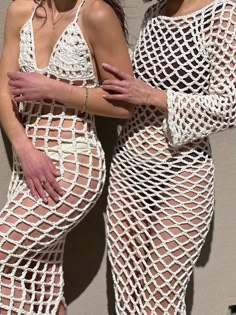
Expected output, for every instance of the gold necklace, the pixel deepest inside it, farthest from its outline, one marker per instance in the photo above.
(54, 22)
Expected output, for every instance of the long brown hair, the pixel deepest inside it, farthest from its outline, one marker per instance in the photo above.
(116, 6)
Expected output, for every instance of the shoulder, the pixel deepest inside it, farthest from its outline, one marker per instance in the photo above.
(225, 9)
(229, 12)
(220, 20)
(99, 14)
(153, 11)
(21, 7)
(230, 3)
(19, 11)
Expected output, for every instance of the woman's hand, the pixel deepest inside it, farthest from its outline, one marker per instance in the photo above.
(131, 90)
(125, 88)
(29, 86)
(40, 174)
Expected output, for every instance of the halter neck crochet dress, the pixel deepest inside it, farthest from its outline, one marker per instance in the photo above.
(32, 233)
(161, 194)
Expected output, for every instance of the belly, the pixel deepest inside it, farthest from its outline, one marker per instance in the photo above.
(143, 138)
(53, 122)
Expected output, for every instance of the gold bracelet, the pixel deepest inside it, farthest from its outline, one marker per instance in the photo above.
(71, 89)
(83, 110)
(148, 98)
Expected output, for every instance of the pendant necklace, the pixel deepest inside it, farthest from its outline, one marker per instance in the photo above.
(54, 22)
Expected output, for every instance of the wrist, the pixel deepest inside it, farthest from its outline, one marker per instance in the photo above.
(158, 98)
(57, 90)
(22, 147)
(52, 89)
(149, 96)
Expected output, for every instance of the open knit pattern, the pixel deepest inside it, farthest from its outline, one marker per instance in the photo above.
(32, 233)
(161, 194)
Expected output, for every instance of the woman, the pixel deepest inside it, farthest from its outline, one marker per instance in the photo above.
(50, 70)
(161, 195)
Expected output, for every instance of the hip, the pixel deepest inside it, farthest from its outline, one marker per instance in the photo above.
(127, 166)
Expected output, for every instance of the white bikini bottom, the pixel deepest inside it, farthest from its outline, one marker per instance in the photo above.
(62, 150)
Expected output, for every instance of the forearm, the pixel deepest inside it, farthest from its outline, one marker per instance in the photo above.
(192, 117)
(11, 125)
(74, 96)
(132, 90)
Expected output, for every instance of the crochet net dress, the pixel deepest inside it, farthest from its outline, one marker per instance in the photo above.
(32, 233)
(161, 194)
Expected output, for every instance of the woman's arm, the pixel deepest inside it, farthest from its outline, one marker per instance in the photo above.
(191, 116)
(105, 36)
(36, 165)
(134, 91)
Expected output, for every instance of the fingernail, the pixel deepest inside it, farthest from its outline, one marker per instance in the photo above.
(61, 192)
(35, 198)
(57, 199)
(45, 200)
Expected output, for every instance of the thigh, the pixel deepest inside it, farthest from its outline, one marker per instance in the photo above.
(156, 229)
(30, 225)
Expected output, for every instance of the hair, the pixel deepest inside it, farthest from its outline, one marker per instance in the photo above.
(39, 3)
(116, 6)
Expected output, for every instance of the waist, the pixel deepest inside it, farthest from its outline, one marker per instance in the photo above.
(54, 116)
(157, 149)
(65, 148)
(48, 107)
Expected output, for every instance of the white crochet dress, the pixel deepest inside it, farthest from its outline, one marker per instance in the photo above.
(161, 194)
(32, 233)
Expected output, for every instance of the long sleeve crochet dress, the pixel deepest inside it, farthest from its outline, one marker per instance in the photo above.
(161, 195)
(32, 233)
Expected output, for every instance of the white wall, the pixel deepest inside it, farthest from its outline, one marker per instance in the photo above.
(88, 283)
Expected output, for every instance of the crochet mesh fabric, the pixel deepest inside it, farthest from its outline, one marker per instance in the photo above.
(32, 233)
(161, 194)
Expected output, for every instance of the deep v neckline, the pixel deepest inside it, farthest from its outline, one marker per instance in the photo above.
(51, 55)
(53, 49)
